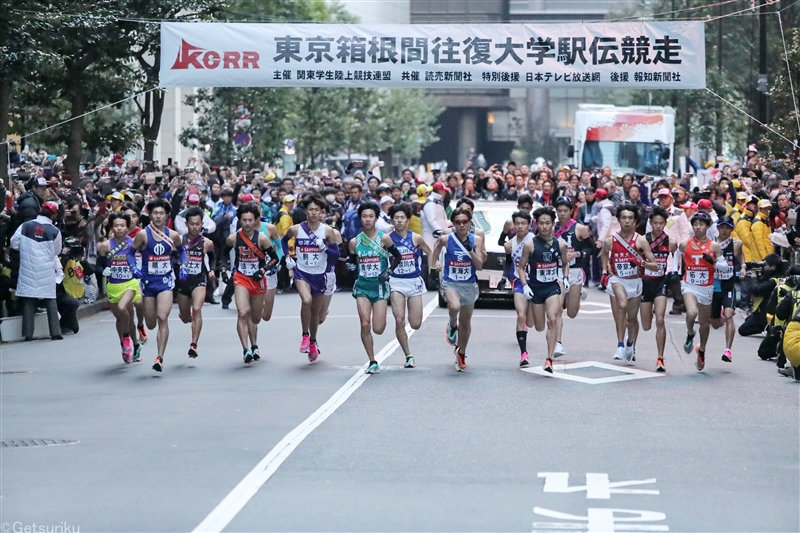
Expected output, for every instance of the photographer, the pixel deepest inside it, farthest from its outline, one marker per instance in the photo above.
(766, 281)
(787, 312)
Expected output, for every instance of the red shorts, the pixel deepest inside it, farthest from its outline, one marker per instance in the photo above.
(254, 288)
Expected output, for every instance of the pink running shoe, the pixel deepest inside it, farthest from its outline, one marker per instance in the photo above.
(523, 359)
(127, 350)
(313, 352)
(304, 344)
(727, 356)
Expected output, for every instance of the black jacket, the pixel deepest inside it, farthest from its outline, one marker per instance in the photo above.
(28, 207)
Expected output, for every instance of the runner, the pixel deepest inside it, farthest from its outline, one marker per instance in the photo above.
(123, 288)
(723, 303)
(654, 284)
(574, 235)
(544, 253)
(624, 255)
(254, 264)
(272, 279)
(132, 210)
(700, 256)
(192, 292)
(371, 250)
(406, 284)
(158, 245)
(315, 243)
(525, 204)
(330, 276)
(513, 248)
(462, 257)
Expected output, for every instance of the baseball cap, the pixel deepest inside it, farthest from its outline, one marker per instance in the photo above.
(439, 186)
(116, 195)
(741, 195)
(247, 198)
(270, 176)
(193, 198)
(764, 203)
(289, 198)
(387, 200)
(725, 221)
(40, 182)
(737, 184)
(664, 192)
(705, 204)
(52, 207)
(601, 193)
(688, 205)
(423, 189)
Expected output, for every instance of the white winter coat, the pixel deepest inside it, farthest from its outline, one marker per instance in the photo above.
(39, 243)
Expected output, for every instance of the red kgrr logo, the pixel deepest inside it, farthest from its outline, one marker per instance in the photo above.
(200, 58)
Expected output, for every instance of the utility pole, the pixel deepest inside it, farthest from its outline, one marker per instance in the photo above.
(762, 62)
(718, 129)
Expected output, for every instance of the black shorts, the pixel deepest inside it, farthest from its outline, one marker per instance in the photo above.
(186, 288)
(724, 299)
(652, 288)
(543, 291)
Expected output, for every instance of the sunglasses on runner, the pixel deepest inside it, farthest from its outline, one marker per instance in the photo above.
(461, 222)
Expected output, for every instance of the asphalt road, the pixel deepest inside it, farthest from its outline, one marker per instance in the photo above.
(429, 449)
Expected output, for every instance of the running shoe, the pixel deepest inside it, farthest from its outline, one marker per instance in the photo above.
(548, 365)
(727, 356)
(620, 353)
(127, 350)
(786, 371)
(559, 350)
(660, 366)
(142, 334)
(305, 343)
(523, 359)
(313, 352)
(373, 368)
(247, 356)
(193, 351)
(452, 335)
(629, 358)
(158, 366)
(256, 354)
(701, 360)
(584, 294)
(410, 363)
(687, 346)
(461, 361)
(137, 353)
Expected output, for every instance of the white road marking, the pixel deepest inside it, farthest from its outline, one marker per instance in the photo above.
(603, 520)
(598, 486)
(235, 501)
(628, 373)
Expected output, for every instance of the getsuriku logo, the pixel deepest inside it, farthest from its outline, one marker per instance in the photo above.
(200, 58)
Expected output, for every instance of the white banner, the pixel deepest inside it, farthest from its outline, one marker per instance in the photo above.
(631, 55)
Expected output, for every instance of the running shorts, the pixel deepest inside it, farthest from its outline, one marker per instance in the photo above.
(186, 288)
(723, 299)
(317, 282)
(543, 291)
(633, 286)
(254, 288)
(153, 286)
(576, 277)
(330, 283)
(467, 292)
(272, 281)
(703, 293)
(653, 288)
(408, 287)
(516, 286)
(374, 292)
(114, 291)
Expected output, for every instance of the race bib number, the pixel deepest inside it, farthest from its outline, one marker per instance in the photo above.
(546, 272)
(194, 265)
(369, 266)
(697, 277)
(159, 265)
(459, 270)
(724, 273)
(408, 265)
(309, 255)
(119, 269)
(248, 265)
(625, 270)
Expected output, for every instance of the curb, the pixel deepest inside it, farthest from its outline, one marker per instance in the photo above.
(99, 306)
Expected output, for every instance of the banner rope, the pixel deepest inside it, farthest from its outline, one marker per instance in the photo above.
(754, 119)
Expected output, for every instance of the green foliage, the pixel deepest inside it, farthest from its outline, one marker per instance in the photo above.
(785, 121)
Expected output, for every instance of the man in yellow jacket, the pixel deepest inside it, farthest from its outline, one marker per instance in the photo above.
(738, 209)
(741, 230)
(760, 231)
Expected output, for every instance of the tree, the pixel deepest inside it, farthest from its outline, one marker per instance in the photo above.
(784, 101)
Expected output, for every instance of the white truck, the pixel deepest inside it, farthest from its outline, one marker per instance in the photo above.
(635, 139)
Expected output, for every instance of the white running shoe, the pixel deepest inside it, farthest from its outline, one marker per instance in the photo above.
(628, 354)
(584, 294)
(620, 353)
(559, 350)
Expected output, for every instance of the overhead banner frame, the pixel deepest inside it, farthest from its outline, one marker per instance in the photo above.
(629, 55)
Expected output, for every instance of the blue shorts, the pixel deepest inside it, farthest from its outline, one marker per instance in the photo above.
(516, 286)
(152, 286)
(317, 282)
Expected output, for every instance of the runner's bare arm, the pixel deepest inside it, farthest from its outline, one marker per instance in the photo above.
(289, 235)
(582, 232)
(527, 250)
(716, 249)
(175, 236)
(649, 259)
(103, 248)
(605, 251)
(563, 248)
(738, 252)
(441, 242)
(478, 253)
(673, 247)
(140, 241)
(420, 243)
(273, 232)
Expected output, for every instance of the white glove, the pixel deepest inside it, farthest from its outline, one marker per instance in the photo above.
(566, 284)
(107, 272)
(528, 292)
(290, 263)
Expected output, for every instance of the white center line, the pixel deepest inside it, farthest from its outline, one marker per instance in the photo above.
(236, 499)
